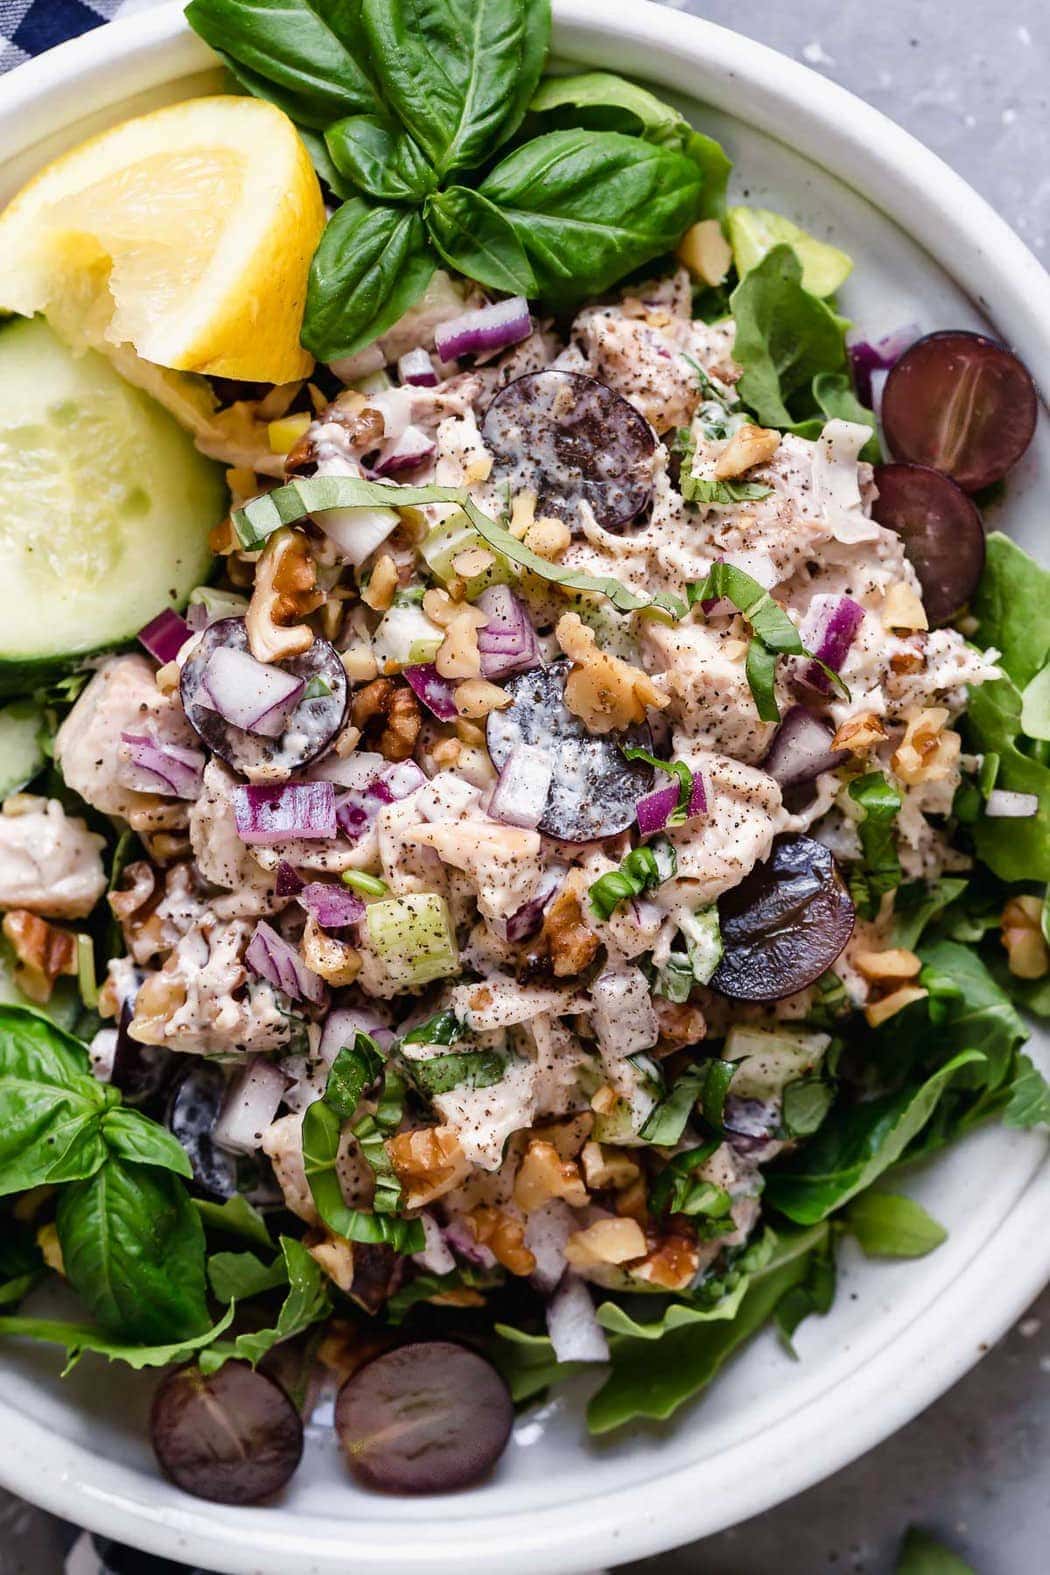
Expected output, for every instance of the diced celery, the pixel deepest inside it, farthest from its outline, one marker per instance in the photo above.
(618, 1125)
(412, 937)
(447, 541)
(703, 941)
(770, 1058)
(218, 603)
(21, 752)
(405, 638)
(373, 382)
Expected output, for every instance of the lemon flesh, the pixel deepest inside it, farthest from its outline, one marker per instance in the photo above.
(187, 233)
(755, 231)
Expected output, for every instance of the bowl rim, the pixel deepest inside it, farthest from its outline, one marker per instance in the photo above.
(970, 242)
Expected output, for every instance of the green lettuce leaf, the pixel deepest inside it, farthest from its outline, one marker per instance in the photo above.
(306, 1303)
(785, 337)
(78, 1338)
(889, 1226)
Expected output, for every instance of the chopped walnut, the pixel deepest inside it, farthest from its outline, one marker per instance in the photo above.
(364, 426)
(633, 1202)
(672, 1264)
(928, 751)
(504, 1236)
(43, 952)
(606, 1241)
(607, 1167)
(907, 661)
(548, 538)
(543, 1175)
(680, 1024)
(522, 512)
(388, 712)
(446, 752)
(565, 939)
(604, 1100)
(1027, 954)
(479, 469)
(605, 692)
(476, 697)
(749, 446)
(379, 592)
(334, 960)
(894, 963)
(903, 609)
(458, 655)
(881, 1011)
(334, 1254)
(859, 733)
(429, 1162)
(285, 590)
(359, 664)
(439, 606)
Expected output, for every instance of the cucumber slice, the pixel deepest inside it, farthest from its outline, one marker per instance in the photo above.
(21, 752)
(105, 506)
(755, 231)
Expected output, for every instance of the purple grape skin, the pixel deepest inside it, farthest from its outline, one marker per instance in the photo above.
(430, 1417)
(232, 1438)
(942, 532)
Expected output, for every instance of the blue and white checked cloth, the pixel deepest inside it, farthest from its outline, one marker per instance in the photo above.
(28, 27)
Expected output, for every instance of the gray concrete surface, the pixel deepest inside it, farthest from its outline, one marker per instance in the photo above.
(971, 81)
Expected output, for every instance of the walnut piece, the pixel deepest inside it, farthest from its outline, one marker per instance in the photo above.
(429, 1162)
(749, 446)
(476, 697)
(334, 1254)
(336, 961)
(671, 1264)
(606, 1241)
(43, 951)
(389, 714)
(548, 538)
(929, 750)
(285, 590)
(894, 963)
(1027, 954)
(903, 609)
(543, 1175)
(458, 655)
(608, 1167)
(504, 1236)
(859, 733)
(379, 592)
(565, 939)
(881, 1011)
(605, 692)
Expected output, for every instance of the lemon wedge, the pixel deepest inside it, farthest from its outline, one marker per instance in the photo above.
(186, 233)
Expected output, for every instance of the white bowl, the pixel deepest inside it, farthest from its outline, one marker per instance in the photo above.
(927, 249)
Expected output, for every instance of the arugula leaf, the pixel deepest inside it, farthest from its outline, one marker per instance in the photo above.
(133, 1249)
(1012, 608)
(652, 1321)
(880, 868)
(855, 1145)
(1035, 706)
(476, 238)
(51, 1106)
(640, 870)
(306, 1303)
(458, 73)
(237, 1276)
(373, 263)
(80, 1337)
(813, 1294)
(921, 1555)
(237, 1217)
(134, 1136)
(602, 101)
(590, 207)
(439, 1074)
(1015, 850)
(302, 55)
(784, 338)
(653, 1379)
(1029, 1103)
(805, 1104)
(380, 158)
(917, 904)
(889, 1226)
(969, 1011)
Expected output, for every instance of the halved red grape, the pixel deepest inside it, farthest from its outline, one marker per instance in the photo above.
(571, 439)
(311, 727)
(233, 1437)
(942, 530)
(430, 1417)
(961, 403)
(594, 791)
(785, 924)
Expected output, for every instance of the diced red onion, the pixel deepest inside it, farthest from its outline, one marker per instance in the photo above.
(507, 643)
(357, 809)
(527, 919)
(655, 809)
(255, 696)
(417, 369)
(412, 449)
(436, 693)
(344, 1024)
(520, 795)
(828, 630)
(546, 1232)
(333, 907)
(488, 328)
(287, 880)
(274, 959)
(801, 749)
(572, 1323)
(164, 636)
(1002, 804)
(436, 1258)
(290, 810)
(462, 1240)
(867, 358)
(154, 767)
(250, 1105)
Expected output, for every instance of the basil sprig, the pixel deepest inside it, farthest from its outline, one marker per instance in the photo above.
(880, 868)
(416, 102)
(645, 867)
(772, 632)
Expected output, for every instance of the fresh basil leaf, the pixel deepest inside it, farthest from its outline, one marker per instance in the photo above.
(353, 1070)
(921, 1555)
(133, 1250)
(686, 1193)
(373, 263)
(1012, 608)
(321, 1133)
(324, 168)
(303, 56)
(440, 1074)
(697, 489)
(592, 206)
(918, 904)
(889, 1226)
(478, 240)
(880, 868)
(813, 1294)
(784, 338)
(379, 158)
(664, 1125)
(237, 1276)
(601, 101)
(444, 1028)
(458, 73)
(306, 1303)
(50, 1104)
(134, 1136)
(1014, 849)
(640, 870)
(856, 1144)
(1029, 1104)
(235, 1217)
(78, 1338)
(806, 1102)
(717, 1077)
(654, 1379)
(296, 500)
